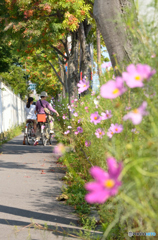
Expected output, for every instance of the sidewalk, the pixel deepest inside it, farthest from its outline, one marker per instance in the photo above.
(30, 183)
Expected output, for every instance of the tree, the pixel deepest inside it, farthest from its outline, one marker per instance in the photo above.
(110, 15)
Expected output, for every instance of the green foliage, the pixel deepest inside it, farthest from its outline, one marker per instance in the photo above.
(11, 133)
(135, 207)
(17, 79)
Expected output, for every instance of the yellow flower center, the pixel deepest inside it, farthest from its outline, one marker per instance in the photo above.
(109, 183)
(116, 91)
(137, 78)
(135, 111)
(116, 129)
(95, 118)
(84, 85)
(100, 133)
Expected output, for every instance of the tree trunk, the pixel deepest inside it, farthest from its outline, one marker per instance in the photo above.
(73, 67)
(109, 16)
(85, 60)
(98, 52)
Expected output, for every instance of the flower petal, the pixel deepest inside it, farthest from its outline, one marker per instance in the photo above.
(99, 174)
(97, 197)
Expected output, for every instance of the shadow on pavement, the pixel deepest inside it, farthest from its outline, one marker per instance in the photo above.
(58, 231)
(36, 215)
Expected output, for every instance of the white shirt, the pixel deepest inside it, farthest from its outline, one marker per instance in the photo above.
(30, 112)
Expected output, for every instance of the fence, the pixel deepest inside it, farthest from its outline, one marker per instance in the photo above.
(11, 109)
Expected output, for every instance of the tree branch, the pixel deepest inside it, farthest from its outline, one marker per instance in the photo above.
(59, 52)
(60, 80)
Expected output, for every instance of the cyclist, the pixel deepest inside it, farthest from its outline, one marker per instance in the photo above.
(30, 114)
(41, 106)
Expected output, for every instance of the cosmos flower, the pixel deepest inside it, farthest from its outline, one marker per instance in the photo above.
(112, 89)
(136, 115)
(106, 184)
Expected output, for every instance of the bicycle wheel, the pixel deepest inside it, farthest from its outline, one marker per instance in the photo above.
(45, 136)
(28, 137)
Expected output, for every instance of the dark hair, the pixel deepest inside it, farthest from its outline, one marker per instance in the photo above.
(30, 99)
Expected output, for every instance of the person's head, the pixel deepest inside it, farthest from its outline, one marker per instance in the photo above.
(43, 95)
(29, 102)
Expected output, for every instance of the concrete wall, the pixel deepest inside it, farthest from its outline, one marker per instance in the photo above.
(11, 109)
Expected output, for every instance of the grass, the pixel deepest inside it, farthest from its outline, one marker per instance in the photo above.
(11, 133)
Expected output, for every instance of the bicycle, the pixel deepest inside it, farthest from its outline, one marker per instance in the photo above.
(29, 133)
(44, 128)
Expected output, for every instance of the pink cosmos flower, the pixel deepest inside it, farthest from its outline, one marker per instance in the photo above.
(76, 114)
(93, 93)
(135, 75)
(69, 127)
(116, 128)
(79, 129)
(87, 143)
(67, 132)
(86, 108)
(127, 108)
(106, 115)
(76, 132)
(134, 131)
(59, 149)
(64, 117)
(95, 118)
(76, 99)
(110, 133)
(137, 114)
(106, 65)
(79, 120)
(83, 85)
(106, 184)
(72, 101)
(153, 55)
(99, 133)
(112, 89)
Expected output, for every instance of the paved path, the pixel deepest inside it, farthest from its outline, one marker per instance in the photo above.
(30, 181)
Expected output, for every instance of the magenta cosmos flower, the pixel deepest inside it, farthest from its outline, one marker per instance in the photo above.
(99, 133)
(135, 75)
(87, 143)
(106, 183)
(83, 85)
(116, 128)
(137, 114)
(106, 115)
(113, 89)
(79, 129)
(95, 118)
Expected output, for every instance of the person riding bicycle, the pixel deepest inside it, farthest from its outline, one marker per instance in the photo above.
(30, 110)
(41, 106)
